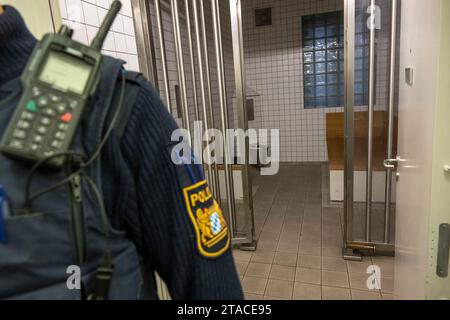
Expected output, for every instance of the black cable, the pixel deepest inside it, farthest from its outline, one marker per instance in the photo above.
(33, 170)
(111, 127)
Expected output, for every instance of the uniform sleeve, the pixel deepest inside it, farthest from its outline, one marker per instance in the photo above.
(184, 232)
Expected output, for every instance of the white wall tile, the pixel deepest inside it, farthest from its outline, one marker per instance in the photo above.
(131, 44)
(90, 14)
(128, 26)
(121, 45)
(85, 16)
(103, 3)
(118, 24)
(75, 10)
(63, 8)
(126, 8)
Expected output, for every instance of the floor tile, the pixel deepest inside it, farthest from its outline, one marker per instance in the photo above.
(311, 251)
(387, 296)
(312, 262)
(289, 246)
(387, 284)
(301, 241)
(279, 288)
(358, 281)
(282, 273)
(335, 252)
(267, 245)
(251, 296)
(262, 256)
(359, 267)
(274, 298)
(387, 268)
(365, 295)
(243, 256)
(310, 276)
(335, 279)
(261, 270)
(285, 259)
(254, 285)
(332, 293)
(334, 264)
(304, 291)
(241, 267)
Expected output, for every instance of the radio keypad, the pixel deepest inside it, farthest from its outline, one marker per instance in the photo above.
(44, 123)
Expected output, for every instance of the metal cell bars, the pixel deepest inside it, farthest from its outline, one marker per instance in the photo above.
(238, 54)
(387, 218)
(180, 66)
(369, 179)
(203, 104)
(349, 62)
(229, 181)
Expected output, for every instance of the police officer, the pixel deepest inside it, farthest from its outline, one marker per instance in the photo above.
(146, 194)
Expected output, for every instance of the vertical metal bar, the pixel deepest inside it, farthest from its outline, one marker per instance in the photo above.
(216, 180)
(241, 95)
(390, 155)
(349, 98)
(191, 52)
(223, 113)
(144, 40)
(162, 46)
(180, 64)
(202, 86)
(370, 124)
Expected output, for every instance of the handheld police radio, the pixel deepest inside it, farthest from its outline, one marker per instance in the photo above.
(58, 81)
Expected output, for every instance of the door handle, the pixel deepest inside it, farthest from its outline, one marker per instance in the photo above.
(392, 163)
(443, 250)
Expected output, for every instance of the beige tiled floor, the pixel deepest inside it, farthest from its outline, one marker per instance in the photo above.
(300, 242)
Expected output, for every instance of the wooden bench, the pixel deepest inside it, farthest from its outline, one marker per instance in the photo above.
(335, 140)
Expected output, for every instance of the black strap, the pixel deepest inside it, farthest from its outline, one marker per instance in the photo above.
(103, 279)
(132, 87)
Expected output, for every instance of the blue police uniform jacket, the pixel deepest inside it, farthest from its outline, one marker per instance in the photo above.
(146, 194)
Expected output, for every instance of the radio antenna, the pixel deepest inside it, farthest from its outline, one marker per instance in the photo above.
(99, 39)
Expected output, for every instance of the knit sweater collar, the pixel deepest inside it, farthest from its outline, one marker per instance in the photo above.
(16, 44)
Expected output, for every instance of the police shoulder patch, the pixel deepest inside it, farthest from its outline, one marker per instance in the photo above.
(213, 238)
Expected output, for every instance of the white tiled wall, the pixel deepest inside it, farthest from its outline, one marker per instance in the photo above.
(85, 17)
(273, 62)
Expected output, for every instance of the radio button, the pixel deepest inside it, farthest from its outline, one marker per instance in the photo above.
(61, 107)
(60, 135)
(34, 147)
(49, 112)
(54, 98)
(38, 139)
(43, 101)
(25, 125)
(73, 104)
(36, 91)
(56, 144)
(63, 127)
(42, 130)
(31, 106)
(19, 134)
(16, 144)
(67, 117)
(28, 116)
(46, 121)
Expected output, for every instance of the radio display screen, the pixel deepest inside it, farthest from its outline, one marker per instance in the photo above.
(65, 72)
